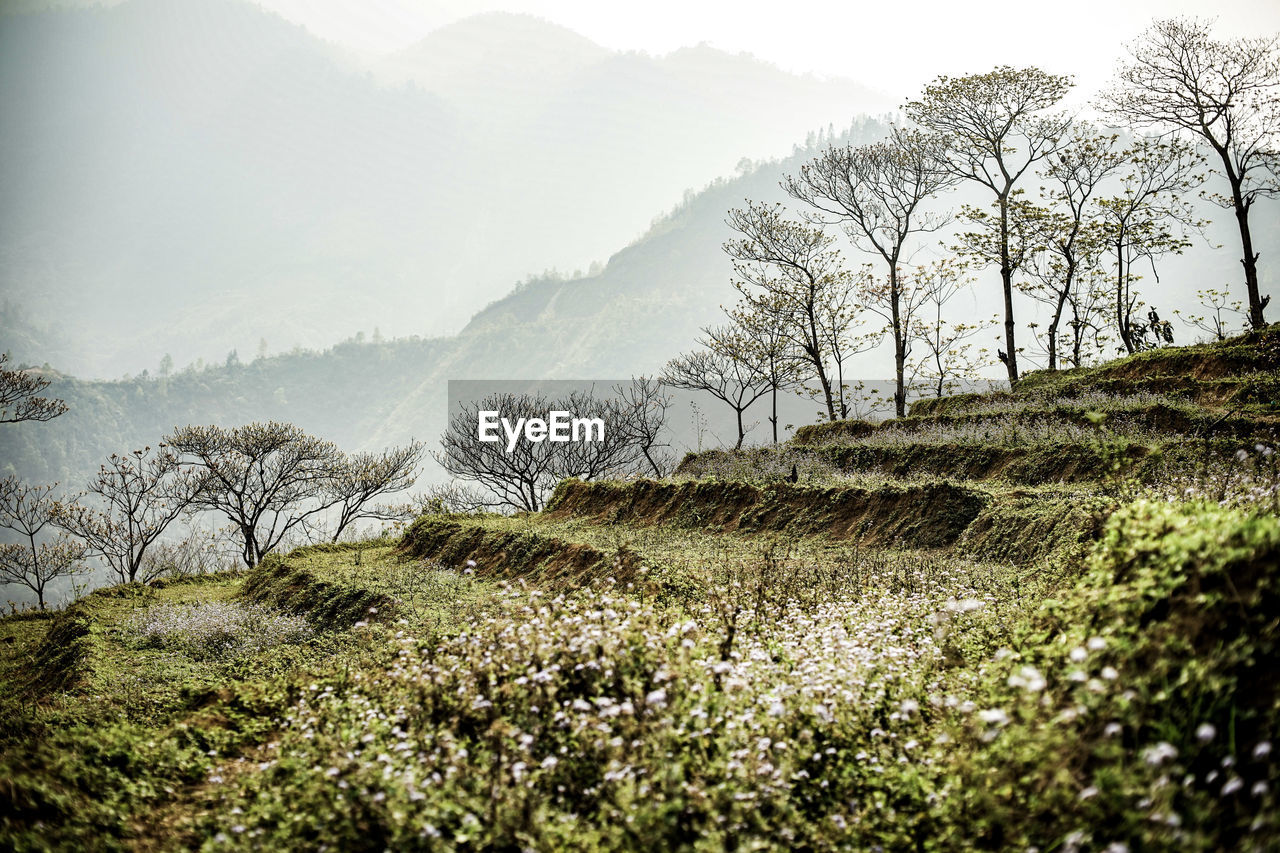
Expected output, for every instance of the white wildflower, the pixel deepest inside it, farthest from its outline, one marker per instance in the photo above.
(1159, 754)
(1028, 678)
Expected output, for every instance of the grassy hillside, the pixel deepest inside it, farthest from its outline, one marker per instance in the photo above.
(865, 658)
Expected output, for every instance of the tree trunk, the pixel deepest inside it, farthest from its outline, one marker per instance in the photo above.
(899, 346)
(816, 357)
(1250, 259)
(1250, 262)
(250, 551)
(1006, 280)
(1077, 335)
(1122, 313)
(1057, 314)
(1011, 361)
(657, 472)
(815, 346)
(773, 420)
(826, 391)
(741, 433)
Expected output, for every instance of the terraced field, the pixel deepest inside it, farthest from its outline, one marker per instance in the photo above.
(1045, 619)
(1157, 415)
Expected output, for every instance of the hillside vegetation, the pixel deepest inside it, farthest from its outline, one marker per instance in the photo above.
(1039, 619)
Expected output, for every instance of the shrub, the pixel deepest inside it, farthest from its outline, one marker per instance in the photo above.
(1139, 711)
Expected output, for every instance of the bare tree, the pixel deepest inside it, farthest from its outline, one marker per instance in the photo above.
(646, 405)
(725, 370)
(616, 455)
(788, 271)
(1226, 93)
(521, 474)
(996, 132)
(839, 333)
(946, 353)
(30, 511)
(268, 479)
(896, 300)
(1008, 237)
(773, 352)
(360, 478)
(1148, 218)
(1219, 308)
(1067, 231)
(443, 499)
(18, 400)
(142, 492)
(1090, 305)
(196, 553)
(875, 193)
(519, 478)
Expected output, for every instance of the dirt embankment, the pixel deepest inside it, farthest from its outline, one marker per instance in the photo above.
(1019, 527)
(276, 583)
(1022, 528)
(927, 516)
(1032, 465)
(508, 554)
(1242, 371)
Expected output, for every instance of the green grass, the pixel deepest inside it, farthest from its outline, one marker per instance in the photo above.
(952, 712)
(141, 724)
(802, 692)
(723, 660)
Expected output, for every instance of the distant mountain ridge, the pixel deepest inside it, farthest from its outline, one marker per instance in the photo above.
(642, 308)
(194, 176)
(493, 54)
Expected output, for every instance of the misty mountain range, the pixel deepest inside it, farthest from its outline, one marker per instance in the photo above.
(195, 176)
(643, 307)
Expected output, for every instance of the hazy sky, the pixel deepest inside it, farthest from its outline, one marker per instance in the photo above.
(891, 46)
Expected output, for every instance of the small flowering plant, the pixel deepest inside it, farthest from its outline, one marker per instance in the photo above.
(216, 629)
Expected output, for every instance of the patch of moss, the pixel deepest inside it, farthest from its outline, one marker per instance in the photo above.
(953, 404)
(832, 431)
(63, 654)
